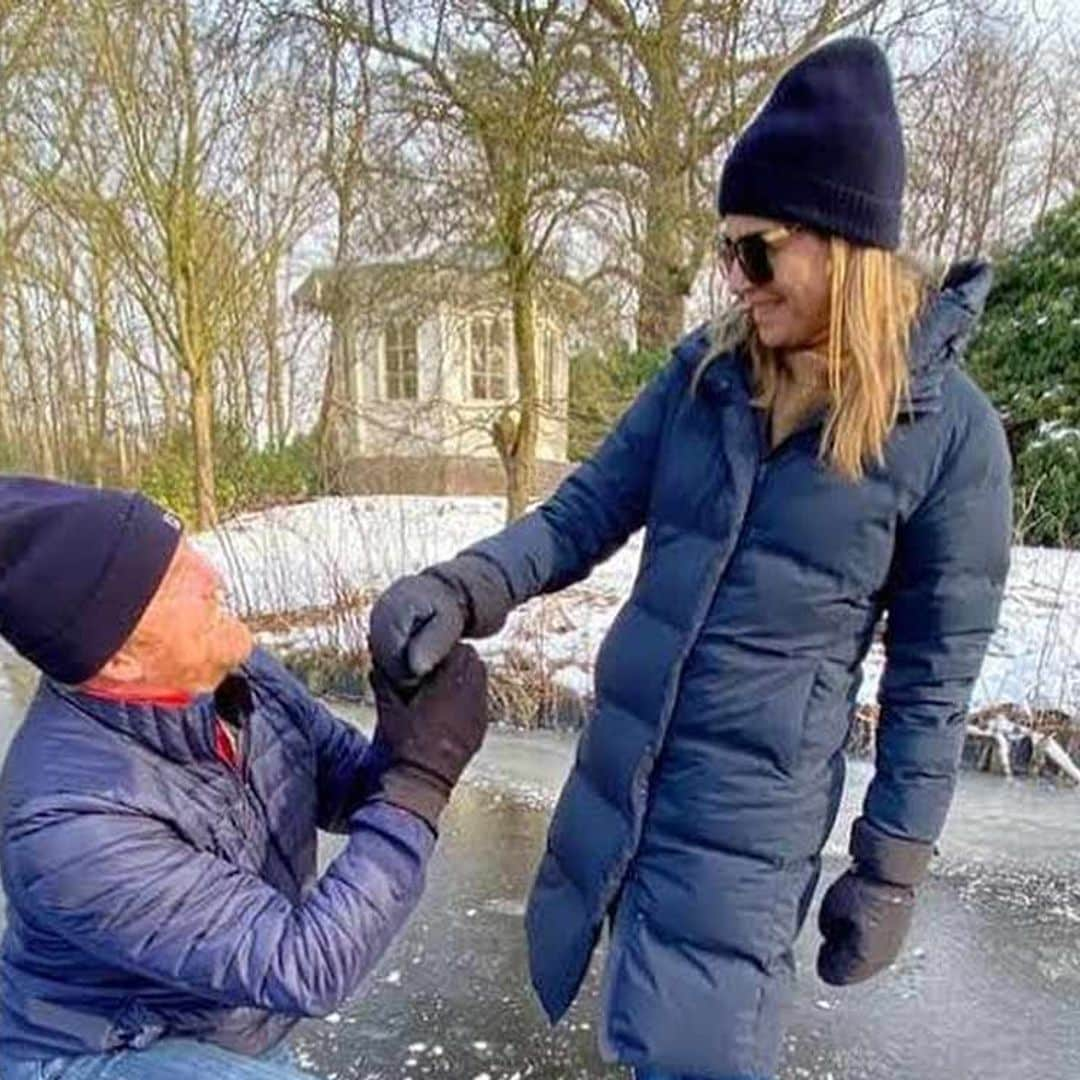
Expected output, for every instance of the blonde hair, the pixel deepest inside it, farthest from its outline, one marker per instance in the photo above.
(874, 299)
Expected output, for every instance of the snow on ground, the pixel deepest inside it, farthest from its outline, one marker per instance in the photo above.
(322, 563)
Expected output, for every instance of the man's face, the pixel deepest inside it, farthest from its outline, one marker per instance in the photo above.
(187, 639)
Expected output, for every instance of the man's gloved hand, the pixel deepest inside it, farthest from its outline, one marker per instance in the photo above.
(427, 740)
(866, 913)
(416, 622)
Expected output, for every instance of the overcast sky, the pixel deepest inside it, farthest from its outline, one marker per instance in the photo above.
(1040, 9)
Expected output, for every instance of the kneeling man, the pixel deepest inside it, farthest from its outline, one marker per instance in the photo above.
(160, 801)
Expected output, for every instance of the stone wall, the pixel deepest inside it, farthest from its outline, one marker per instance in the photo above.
(441, 476)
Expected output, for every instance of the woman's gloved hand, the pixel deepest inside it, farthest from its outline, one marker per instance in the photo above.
(866, 913)
(419, 619)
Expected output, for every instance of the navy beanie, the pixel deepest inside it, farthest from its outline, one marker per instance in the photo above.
(826, 150)
(78, 566)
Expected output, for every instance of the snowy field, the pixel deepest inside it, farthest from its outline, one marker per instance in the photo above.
(307, 574)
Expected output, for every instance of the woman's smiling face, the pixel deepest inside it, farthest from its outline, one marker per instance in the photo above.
(790, 312)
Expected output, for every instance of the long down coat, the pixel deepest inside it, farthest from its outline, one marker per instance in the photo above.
(709, 776)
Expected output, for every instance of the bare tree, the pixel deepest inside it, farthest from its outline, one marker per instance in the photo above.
(162, 89)
(21, 59)
(154, 179)
(1058, 119)
(487, 85)
(345, 114)
(974, 141)
(680, 80)
(336, 98)
(161, 163)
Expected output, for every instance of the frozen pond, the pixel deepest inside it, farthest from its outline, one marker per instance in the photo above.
(989, 987)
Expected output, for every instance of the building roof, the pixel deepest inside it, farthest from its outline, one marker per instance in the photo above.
(468, 277)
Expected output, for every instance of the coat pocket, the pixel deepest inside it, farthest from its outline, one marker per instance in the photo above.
(770, 719)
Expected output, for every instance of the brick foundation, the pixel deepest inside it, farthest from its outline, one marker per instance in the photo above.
(441, 476)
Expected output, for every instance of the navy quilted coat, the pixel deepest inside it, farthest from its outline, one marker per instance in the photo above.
(153, 890)
(709, 776)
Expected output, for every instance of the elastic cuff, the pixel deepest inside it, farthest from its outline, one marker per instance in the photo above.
(889, 858)
(414, 790)
(483, 589)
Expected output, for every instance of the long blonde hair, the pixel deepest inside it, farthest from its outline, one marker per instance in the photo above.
(874, 299)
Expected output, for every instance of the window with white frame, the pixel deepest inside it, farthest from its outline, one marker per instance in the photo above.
(399, 361)
(488, 357)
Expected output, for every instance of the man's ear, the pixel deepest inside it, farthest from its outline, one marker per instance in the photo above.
(122, 667)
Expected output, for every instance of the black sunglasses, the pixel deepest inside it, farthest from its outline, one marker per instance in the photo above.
(752, 253)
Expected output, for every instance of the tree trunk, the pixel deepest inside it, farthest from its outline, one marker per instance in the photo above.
(202, 434)
(516, 438)
(275, 404)
(43, 457)
(666, 276)
(332, 430)
(666, 279)
(6, 440)
(122, 453)
(102, 350)
(77, 419)
(343, 136)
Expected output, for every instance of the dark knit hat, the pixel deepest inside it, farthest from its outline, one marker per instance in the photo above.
(78, 566)
(826, 150)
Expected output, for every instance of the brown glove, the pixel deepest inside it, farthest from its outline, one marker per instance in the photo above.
(428, 738)
(866, 913)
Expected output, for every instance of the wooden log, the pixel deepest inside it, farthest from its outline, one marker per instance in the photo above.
(1057, 756)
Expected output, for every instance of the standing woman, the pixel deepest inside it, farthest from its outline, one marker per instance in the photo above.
(820, 461)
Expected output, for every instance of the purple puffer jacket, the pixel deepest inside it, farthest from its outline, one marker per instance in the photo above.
(154, 891)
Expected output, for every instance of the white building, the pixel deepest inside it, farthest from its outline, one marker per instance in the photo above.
(424, 363)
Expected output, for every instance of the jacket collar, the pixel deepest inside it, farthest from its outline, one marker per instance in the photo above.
(183, 734)
(938, 341)
(941, 335)
(726, 376)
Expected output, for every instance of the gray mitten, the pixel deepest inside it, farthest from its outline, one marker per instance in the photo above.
(419, 619)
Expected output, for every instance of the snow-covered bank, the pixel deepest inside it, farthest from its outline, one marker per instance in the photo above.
(307, 575)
